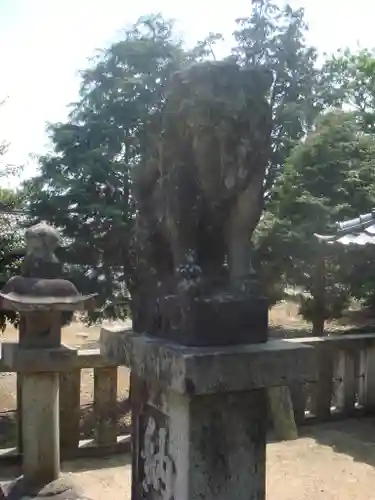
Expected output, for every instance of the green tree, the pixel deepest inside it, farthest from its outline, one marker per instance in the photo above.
(10, 231)
(84, 184)
(10, 244)
(276, 38)
(328, 177)
(348, 80)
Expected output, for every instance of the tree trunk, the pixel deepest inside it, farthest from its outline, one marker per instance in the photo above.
(318, 326)
(319, 294)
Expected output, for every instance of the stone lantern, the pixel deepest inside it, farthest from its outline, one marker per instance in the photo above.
(40, 296)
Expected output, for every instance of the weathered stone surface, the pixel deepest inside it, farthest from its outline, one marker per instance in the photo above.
(190, 370)
(215, 321)
(200, 414)
(281, 409)
(198, 195)
(40, 260)
(40, 427)
(28, 360)
(228, 448)
(210, 447)
(39, 287)
(25, 303)
(200, 361)
(40, 329)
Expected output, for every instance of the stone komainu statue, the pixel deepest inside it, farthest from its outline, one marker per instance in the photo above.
(199, 190)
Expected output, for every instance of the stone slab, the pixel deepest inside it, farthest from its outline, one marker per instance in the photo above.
(354, 340)
(223, 320)
(209, 370)
(30, 360)
(25, 303)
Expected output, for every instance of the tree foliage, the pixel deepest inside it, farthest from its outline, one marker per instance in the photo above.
(275, 37)
(84, 184)
(321, 168)
(350, 82)
(349, 78)
(10, 236)
(328, 177)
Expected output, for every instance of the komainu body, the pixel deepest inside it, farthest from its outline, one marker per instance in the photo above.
(199, 190)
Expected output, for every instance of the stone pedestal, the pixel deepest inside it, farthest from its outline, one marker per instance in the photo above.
(219, 320)
(40, 428)
(200, 414)
(40, 407)
(201, 447)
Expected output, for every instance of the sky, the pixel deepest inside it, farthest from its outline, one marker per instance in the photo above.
(44, 44)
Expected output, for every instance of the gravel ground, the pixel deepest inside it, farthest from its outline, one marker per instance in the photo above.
(330, 462)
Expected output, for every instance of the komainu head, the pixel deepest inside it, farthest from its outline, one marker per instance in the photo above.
(217, 116)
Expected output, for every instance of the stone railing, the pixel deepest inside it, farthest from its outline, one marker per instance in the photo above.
(344, 387)
(103, 420)
(345, 384)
